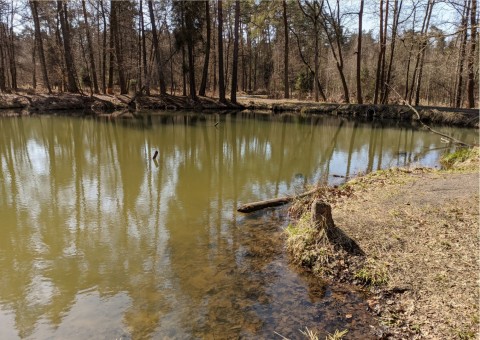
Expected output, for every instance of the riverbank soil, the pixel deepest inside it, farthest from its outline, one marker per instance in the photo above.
(428, 114)
(421, 228)
(25, 102)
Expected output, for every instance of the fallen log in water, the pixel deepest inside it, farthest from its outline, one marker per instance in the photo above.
(274, 202)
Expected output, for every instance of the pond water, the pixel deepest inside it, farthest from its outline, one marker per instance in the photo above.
(99, 241)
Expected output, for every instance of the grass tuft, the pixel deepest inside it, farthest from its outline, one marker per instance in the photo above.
(373, 273)
(338, 335)
(460, 158)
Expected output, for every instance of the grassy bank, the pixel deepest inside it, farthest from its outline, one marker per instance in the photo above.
(418, 230)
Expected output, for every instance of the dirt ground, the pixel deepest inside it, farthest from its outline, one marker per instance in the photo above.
(422, 225)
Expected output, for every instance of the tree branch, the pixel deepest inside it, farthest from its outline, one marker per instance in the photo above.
(454, 140)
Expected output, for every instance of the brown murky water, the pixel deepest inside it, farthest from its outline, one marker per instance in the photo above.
(98, 241)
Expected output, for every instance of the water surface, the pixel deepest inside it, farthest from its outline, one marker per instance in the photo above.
(99, 241)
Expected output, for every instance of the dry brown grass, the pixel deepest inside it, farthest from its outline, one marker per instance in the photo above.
(419, 227)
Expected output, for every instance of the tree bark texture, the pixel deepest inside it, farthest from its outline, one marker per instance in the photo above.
(156, 47)
(206, 62)
(39, 45)
(90, 49)
(67, 51)
(233, 92)
(221, 74)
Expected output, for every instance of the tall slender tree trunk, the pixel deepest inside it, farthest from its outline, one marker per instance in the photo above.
(203, 84)
(12, 55)
(144, 51)
(359, 54)
(39, 45)
(34, 65)
(221, 74)
(380, 57)
(285, 51)
(250, 60)
(118, 50)
(233, 93)
(156, 47)
(104, 50)
(471, 59)
(70, 65)
(189, 16)
(407, 78)
(396, 15)
(424, 50)
(384, 46)
(462, 52)
(316, 66)
(3, 87)
(90, 49)
(111, 53)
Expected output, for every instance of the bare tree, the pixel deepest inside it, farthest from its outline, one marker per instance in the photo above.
(423, 49)
(332, 26)
(233, 93)
(396, 15)
(359, 54)
(90, 49)
(203, 84)
(67, 51)
(156, 47)
(221, 74)
(39, 45)
(313, 10)
(471, 59)
(285, 51)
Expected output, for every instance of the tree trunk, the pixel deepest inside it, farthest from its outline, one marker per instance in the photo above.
(3, 86)
(221, 75)
(184, 73)
(34, 65)
(111, 55)
(462, 52)
(316, 66)
(396, 15)
(384, 46)
(471, 59)
(39, 45)
(424, 49)
(189, 17)
(90, 49)
(337, 55)
(104, 50)
(203, 84)
(250, 60)
(359, 55)
(12, 56)
(144, 52)
(285, 52)
(233, 93)
(380, 57)
(70, 65)
(156, 47)
(118, 50)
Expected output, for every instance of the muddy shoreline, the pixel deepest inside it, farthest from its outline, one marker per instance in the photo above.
(127, 106)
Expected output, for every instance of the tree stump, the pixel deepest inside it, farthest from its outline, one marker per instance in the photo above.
(322, 215)
(323, 221)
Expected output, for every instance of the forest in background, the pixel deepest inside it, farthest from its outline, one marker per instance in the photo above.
(323, 50)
